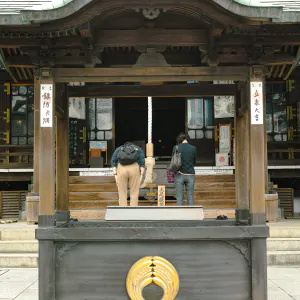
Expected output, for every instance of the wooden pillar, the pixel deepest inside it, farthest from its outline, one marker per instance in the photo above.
(47, 153)
(266, 141)
(242, 152)
(257, 148)
(36, 159)
(62, 158)
(257, 182)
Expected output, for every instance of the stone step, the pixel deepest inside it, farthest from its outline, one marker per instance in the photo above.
(17, 234)
(283, 244)
(18, 260)
(99, 214)
(277, 258)
(20, 246)
(285, 232)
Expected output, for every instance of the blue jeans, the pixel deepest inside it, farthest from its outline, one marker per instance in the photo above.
(188, 181)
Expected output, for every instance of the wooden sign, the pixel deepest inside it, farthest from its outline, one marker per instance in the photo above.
(46, 108)
(256, 98)
(161, 200)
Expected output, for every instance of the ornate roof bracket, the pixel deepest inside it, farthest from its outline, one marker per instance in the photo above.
(151, 58)
(150, 13)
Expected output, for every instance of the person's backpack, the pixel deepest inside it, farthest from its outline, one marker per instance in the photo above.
(128, 154)
(175, 161)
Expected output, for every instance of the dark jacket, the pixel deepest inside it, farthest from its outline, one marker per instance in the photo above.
(140, 158)
(188, 158)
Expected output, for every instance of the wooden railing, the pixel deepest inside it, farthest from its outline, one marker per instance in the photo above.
(16, 156)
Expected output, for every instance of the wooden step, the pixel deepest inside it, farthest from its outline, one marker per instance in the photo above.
(99, 214)
(201, 195)
(112, 187)
(93, 196)
(214, 194)
(99, 187)
(111, 179)
(215, 178)
(215, 185)
(91, 179)
(101, 204)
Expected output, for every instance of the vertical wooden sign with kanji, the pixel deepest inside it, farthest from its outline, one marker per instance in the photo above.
(256, 92)
(46, 107)
(161, 196)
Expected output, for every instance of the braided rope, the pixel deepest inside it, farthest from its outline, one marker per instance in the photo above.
(149, 120)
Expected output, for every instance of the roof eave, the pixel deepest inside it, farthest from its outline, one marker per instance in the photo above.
(272, 14)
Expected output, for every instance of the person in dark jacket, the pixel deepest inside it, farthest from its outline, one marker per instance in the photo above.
(186, 174)
(128, 173)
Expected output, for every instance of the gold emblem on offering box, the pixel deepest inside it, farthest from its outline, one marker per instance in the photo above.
(152, 269)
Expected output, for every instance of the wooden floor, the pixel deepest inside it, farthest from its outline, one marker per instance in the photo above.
(90, 195)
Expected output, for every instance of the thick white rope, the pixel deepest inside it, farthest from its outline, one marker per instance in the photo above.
(149, 161)
(149, 120)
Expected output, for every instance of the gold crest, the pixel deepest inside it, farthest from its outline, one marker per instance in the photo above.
(152, 269)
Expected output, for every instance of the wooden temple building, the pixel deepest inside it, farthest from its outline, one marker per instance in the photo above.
(85, 76)
(105, 59)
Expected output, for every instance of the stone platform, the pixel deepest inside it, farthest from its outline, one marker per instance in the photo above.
(213, 259)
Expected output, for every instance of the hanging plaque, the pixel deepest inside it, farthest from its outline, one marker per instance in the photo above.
(224, 105)
(256, 103)
(46, 105)
(77, 108)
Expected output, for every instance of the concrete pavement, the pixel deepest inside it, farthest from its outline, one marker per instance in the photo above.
(22, 284)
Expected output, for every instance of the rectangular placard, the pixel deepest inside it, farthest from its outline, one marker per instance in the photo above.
(161, 195)
(256, 99)
(46, 105)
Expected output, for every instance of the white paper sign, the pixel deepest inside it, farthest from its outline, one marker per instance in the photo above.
(256, 98)
(46, 105)
(77, 108)
(225, 145)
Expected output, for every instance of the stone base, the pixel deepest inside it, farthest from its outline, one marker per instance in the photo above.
(214, 260)
(154, 213)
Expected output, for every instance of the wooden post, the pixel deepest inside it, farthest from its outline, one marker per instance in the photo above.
(266, 142)
(62, 159)
(257, 149)
(36, 153)
(47, 153)
(257, 182)
(242, 153)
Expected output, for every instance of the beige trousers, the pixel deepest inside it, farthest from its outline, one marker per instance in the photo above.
(128, 175)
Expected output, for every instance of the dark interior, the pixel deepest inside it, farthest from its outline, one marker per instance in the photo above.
(131, 119)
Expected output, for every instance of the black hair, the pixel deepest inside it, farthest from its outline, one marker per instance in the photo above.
(183, 136)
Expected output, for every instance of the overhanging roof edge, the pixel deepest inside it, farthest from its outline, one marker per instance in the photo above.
(275, 14)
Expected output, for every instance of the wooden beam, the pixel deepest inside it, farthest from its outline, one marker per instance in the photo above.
(31, 61)
(246, 40)
(47, 165)
(66, 41)
(130, 58)
(149, 74)
(150, 37)
(62, 155)
(164, 90)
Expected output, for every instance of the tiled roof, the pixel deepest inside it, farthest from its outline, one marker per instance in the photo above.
(287, 5)
(10, 6)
